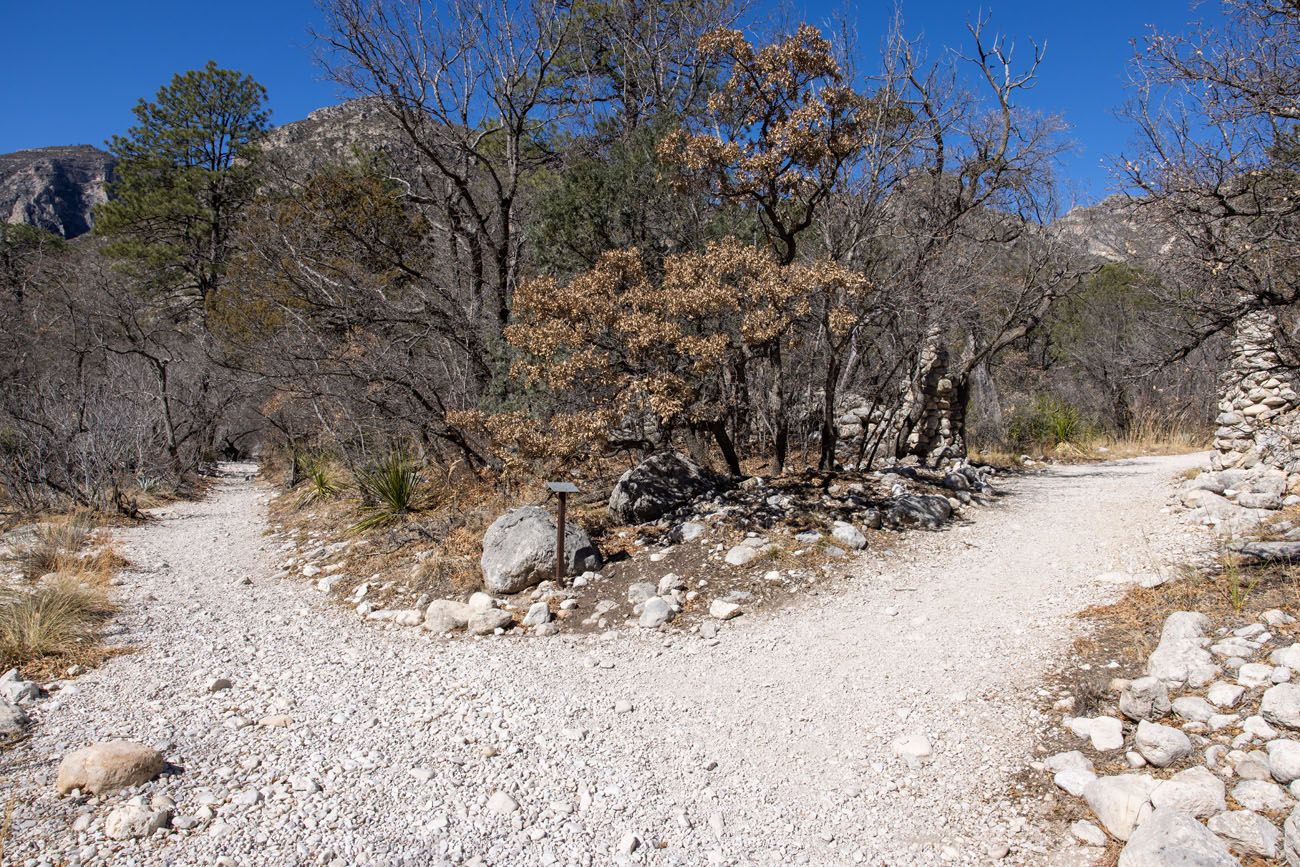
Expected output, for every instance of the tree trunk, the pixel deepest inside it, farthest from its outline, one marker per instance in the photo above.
(728, 449)
(830, 432)
(776, 406)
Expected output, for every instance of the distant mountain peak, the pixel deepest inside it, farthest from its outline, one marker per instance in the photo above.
(55, 188)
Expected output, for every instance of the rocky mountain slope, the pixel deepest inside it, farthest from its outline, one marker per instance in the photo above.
(55, 188)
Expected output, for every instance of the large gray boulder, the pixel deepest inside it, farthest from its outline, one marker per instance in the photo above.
(1173, 839)
(519, 550)
(916, 511)
(660, 484)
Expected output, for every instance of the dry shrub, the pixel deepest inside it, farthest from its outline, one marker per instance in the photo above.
(59, 618)
(54, 547)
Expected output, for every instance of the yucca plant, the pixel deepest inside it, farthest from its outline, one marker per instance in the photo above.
(388, 491)
(318, 480)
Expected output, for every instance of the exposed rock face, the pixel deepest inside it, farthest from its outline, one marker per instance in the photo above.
(334, 135)
(54, 188)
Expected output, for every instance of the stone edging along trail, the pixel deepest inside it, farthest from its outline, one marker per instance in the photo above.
(884, 722)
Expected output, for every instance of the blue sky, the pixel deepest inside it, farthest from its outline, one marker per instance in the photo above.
(75, 69)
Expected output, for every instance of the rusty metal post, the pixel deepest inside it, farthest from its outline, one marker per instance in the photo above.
(559, 538)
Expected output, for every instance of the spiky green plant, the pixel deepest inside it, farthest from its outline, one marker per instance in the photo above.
(388, 490)
(318, 480)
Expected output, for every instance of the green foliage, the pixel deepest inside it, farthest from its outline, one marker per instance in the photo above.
(184, 172)
(611, 195)
(388, 491)
(1048, 422)
(318, 480)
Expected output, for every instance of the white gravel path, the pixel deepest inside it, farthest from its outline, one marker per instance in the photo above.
(797, 706)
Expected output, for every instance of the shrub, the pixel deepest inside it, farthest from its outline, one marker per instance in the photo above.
(1048, 422)
(58, 617)
(388, 491)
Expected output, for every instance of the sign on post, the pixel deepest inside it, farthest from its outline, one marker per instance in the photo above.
(561, 489)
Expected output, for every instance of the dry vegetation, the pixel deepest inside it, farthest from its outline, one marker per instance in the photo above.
(55, 603)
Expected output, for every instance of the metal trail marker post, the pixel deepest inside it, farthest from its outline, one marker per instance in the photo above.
(562, 490)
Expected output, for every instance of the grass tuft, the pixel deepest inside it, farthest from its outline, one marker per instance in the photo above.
(59, 617)
(54, 547)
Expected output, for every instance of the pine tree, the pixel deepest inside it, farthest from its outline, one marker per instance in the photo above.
(184, 173)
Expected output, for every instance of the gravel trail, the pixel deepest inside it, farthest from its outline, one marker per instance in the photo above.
(772, 745)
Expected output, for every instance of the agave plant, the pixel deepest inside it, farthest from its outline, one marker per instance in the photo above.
(388, 491)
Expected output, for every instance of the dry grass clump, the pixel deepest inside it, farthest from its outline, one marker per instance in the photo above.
(54, 547)
(55, 622)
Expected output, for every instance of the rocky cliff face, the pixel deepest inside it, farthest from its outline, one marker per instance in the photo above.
(54, 188)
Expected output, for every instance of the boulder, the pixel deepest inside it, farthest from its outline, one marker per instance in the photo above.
(1161, 745)
(1181, 657)
(107, 766)
(916, 511)
(1246, 832)
(1173, 839)
(519, 550)
(1281, 705)
(1195, 791)
(1146, 698)
(660, 484)
(13, 720)
(446, 615)
(1120, 801)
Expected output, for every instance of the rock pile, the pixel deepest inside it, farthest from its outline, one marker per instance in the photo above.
(1213, 772)
(1256, 464)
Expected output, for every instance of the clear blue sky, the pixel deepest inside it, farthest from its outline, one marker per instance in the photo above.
(76, 68)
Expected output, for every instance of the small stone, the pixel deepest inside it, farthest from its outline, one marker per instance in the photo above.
(1088, 833)
(913, 749)
(538, 613)
(502, 804)
(1281, 705)
(1224, 695)
(1106, 734)
(1261, 796)
(1284, 760)
(217, 684)
(720, 609)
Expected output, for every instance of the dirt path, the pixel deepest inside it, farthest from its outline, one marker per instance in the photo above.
(770, 746)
